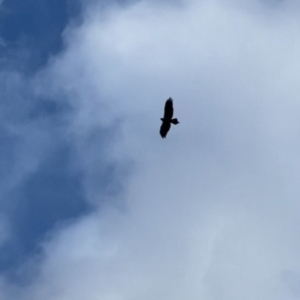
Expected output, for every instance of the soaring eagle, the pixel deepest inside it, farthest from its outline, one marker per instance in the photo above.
(167, 119)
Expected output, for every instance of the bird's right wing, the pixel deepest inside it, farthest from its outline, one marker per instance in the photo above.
(164, 128)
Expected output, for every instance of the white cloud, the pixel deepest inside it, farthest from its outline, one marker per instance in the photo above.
(212, 211)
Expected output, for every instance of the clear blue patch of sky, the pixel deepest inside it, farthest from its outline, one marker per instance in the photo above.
(32, 28)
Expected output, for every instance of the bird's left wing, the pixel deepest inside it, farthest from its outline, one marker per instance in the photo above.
(169, 109)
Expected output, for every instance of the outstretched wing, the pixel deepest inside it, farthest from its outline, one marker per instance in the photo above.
(169, 109)
(164, 128)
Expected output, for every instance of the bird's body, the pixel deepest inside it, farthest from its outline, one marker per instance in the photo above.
(167, 119)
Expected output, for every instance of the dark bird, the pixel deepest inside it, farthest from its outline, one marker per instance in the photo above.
(167, 119)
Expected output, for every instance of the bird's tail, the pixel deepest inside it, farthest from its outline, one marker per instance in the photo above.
(174, 121)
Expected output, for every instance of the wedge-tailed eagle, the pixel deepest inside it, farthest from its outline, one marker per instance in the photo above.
(167, 119)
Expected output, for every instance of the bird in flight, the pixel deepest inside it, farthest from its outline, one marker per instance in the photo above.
(167, 119)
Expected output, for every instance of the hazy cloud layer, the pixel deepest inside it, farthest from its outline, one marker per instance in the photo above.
(212, 212)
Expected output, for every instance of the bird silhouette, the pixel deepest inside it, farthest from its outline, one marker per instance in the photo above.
(167, 119)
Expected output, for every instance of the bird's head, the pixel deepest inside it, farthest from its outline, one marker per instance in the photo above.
(162, 119)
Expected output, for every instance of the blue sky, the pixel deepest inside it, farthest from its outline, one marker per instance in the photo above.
(35, 28)
(94, 204)
(52, 192)
(32, 33)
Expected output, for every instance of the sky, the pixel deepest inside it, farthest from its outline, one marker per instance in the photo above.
(95, 205)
